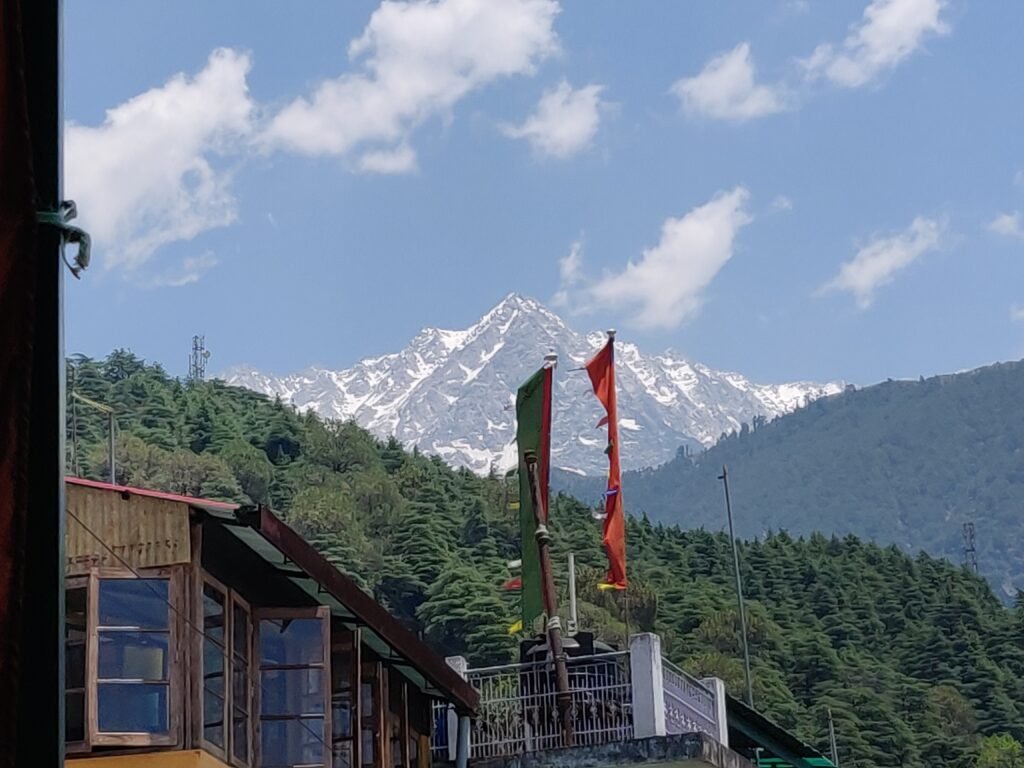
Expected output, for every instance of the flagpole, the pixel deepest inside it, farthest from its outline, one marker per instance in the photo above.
(574, 624)
(563, 697)
(724, 477)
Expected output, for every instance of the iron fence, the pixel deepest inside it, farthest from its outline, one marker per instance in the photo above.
(518, 712)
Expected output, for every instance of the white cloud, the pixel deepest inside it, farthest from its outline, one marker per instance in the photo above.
(418, 60)
(570, 267)
(726, 89)
(144, 177)
(570, 272)
(877, 263)
(192, 268)
(564, 122)
(1008, 224)
(1017, 313)
(782, 203)
(401, 159)
(665, 286)
(889, 32)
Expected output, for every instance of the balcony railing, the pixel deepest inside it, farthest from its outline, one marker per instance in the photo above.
(689, 704)
(616, 696)
(518, 712)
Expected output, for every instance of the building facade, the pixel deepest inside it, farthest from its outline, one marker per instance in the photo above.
(199, 633)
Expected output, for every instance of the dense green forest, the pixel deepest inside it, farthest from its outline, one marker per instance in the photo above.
(902, 462)
(918, 660)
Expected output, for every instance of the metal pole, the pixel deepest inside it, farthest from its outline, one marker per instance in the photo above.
(113, 454)
(724, 477)
(574, 623)
(38, 710)
(563, 697)
(75, 469)
(832, 739)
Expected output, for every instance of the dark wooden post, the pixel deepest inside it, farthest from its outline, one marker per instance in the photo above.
(563, 696)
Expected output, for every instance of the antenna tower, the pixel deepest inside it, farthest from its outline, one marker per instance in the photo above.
(970, 550)
(197, 360)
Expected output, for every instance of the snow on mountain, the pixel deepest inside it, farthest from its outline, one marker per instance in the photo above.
(452, 393)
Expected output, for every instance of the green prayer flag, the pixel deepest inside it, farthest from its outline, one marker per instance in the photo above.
(533, 433)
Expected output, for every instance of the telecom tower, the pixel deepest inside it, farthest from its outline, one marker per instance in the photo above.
(970, 550)
(197, 360)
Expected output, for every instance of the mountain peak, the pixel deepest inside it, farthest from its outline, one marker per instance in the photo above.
(451, 393)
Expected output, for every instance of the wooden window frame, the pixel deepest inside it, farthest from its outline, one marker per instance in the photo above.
(231, 599)
(175, 671)
(323, 613)
(199, 654)
(375, 673)
(252, 672)
(84, 745)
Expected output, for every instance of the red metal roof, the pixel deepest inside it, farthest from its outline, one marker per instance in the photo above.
(192, 501)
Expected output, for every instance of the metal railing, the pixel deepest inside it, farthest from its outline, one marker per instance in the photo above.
(689, 704)
(518, 712)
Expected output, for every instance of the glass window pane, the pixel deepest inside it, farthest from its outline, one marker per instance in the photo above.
(213, 717)
(141, 603)
(292, 692)
(74, 637)
(291, 641)
(74, 665)
(75, 613)
(240, 736)
(366, 752)
(133, 655)
(132, 708)
(213, 614)
(240, 630)
(240, 686)
(74, 717)
(343, 755)
(341, 715)
(292, 742)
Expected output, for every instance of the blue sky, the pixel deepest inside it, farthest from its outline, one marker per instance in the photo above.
(791, 189)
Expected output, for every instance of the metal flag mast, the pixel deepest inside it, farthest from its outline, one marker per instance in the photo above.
(563, 697)
(724, 477)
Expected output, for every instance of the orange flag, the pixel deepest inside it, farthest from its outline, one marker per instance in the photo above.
(601, 369)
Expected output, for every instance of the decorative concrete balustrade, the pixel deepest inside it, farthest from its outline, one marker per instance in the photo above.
(616, 697)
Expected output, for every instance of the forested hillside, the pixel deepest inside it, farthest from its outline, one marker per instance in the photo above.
(916, 658)
(905, 463)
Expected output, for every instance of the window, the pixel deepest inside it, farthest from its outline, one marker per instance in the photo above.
(225, 690)
(373, 691)
(131, 677)
(294, 687)
(76, 631)
(215, 657)
(241, 690)
(344, 679)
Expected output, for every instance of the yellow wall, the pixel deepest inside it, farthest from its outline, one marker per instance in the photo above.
(192, 758)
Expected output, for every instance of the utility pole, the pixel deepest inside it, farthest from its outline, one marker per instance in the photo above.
(563, 697)
(832, 739)
(724, 477)
(111, 431)
(970, 550)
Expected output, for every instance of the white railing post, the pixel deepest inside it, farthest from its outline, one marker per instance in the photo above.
(460, 665)
(648, 685)
(717, 687)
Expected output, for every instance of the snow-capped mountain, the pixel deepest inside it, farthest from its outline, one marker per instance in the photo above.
(452, 393)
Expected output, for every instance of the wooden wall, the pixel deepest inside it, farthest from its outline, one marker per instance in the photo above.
(144, 532)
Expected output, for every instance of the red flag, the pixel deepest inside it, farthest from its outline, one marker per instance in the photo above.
(601, 369)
